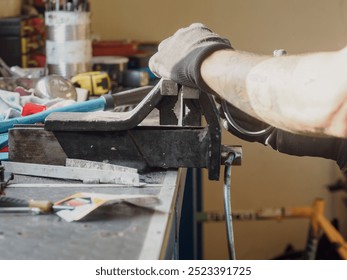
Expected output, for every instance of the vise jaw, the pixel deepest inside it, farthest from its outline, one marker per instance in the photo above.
(163, 131)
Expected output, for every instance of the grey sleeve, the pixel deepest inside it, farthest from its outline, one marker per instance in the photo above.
(300, 145)
(286, 142)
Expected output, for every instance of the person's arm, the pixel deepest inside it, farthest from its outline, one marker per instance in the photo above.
(304, 94)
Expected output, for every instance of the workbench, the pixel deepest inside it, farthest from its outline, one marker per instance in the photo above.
(163, 132)
(118, 231)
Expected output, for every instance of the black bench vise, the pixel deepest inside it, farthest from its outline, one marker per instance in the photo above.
(162, 131)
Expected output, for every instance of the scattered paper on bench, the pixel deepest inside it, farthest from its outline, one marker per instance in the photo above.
(86, 203)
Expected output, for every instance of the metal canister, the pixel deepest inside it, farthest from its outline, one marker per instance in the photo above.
(68, 43)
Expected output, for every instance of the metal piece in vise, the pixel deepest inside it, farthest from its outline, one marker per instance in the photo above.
(180, 105)
(166, 106)
(104, 121)
(168, 87)
(190, 111)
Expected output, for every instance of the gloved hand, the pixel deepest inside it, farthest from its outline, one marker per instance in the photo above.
(180, 56)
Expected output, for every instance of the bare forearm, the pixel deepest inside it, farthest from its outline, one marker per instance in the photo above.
(302, 94)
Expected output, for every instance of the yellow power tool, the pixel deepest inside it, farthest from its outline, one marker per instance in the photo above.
(96, 82)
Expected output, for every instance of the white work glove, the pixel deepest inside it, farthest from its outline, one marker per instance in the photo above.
(180, 56)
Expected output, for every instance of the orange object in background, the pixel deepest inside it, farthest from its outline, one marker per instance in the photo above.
(119, 48)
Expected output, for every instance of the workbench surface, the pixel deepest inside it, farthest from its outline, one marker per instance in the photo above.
(119, 231)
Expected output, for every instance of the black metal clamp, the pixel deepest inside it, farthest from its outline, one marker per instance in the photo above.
(178, 141)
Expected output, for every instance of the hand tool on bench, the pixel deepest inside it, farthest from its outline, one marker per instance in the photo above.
(11, 204)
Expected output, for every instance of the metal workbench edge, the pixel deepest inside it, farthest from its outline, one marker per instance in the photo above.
(165, 241)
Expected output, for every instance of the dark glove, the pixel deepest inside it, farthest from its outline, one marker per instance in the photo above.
(180, 56)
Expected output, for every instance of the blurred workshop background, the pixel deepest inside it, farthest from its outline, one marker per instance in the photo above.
(266, 178)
